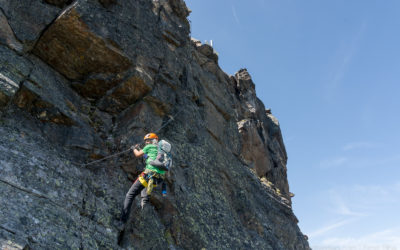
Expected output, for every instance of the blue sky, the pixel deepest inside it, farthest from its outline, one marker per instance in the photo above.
(330, 72)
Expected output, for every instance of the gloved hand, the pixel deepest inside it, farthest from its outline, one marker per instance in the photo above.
(135, 147)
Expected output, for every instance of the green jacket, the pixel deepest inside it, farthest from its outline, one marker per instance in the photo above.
(151, 150)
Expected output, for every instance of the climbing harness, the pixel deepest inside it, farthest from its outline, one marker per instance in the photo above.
(150, 179)
(125, 151)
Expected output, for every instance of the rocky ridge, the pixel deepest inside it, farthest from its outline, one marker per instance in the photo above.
(81, 80)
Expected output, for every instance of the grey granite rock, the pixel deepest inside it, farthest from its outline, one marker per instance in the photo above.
(101, 75)
(14, 69)
(28, 19)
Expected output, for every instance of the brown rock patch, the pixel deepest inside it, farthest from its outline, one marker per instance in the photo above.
(72, 49)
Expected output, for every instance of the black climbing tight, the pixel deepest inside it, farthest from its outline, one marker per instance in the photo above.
(135, 189)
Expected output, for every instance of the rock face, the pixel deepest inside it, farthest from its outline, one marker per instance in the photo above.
(81, 80)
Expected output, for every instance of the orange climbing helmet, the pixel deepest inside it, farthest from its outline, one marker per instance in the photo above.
(150, 136)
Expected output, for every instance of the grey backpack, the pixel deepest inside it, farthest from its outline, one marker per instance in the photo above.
(164, 157)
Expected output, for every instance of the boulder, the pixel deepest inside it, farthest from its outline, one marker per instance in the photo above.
(70, 47)
(129, 91)
(254, 146)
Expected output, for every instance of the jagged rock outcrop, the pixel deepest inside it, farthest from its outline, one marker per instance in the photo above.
(81, 80)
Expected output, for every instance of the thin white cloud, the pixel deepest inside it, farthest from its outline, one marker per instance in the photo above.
(325, 229)
(357, 162)
(377, 195)
(386, 239)
(347, 54)
(341, 207)
(334, 162)
(359, 145)
(363, 200)
(360, 204)
(235, 16)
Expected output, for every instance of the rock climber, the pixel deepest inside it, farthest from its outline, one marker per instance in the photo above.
(147, 179)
